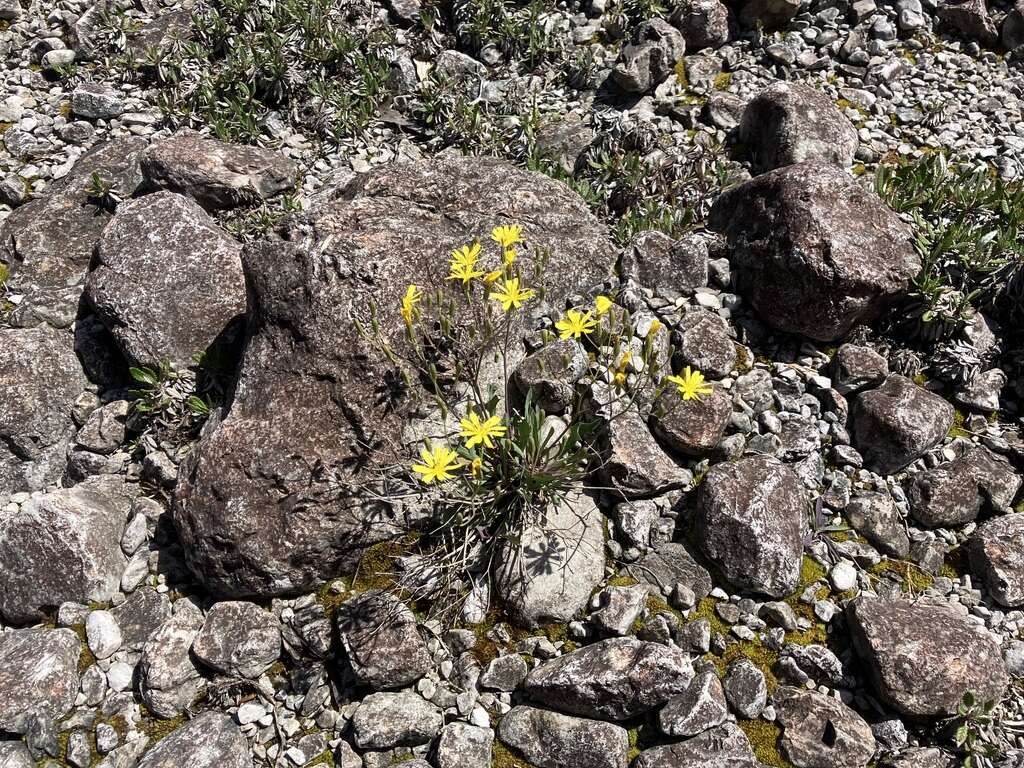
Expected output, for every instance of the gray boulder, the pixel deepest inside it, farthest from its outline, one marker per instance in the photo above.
(211, 740)
(669, 564)
(552, 740)
(38, 676)
(167, 280)
(956, 492)
(382, 643)
(461, 745)
(704, 23)
(923, 656)
(725, 745)
(1012, 32)
(614, 679)
(168, 680)
(216, 175)
(691, 427)
(619, 608)
(14, 754)
(813, 251)
(239, 639)
(789, 123)
(650, 57)
(857, 367)
(751, 517)
(970, 19)
(550, 573)
(95, 101)
(897, 422)
(671, 267)
(996, 552)
(140, 616)
(700, 707)
(311, 385)
(703, 342)
(504, 673)
(746, 689)
(820, 731)
(550, 374)
(387, 720)
(875, 517)
(40, 379)
(62, 546)
(769, 14)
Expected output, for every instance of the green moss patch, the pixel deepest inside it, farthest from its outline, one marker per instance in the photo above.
(764, 739)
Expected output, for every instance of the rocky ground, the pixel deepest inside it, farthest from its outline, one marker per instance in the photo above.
(820, 564)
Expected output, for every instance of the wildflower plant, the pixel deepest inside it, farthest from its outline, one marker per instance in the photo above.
(500, 460)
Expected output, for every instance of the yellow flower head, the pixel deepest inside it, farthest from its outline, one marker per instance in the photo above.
(507, 235)
(409, 301)
(481, 431)
(653, 330)
(476, 467)
(439, 462)
(464, 272)
(603, 304)
(490, 277)
(510, 295)
(619, 372)
(575, 324)
(510, 255)
(619, 380)
(691, 385)
(467, 254)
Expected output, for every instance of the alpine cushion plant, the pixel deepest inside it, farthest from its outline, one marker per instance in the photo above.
(497, 461)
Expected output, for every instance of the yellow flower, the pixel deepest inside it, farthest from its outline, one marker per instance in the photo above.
(464, 272)
(438, 464)
(511, 295)
(691, 385)
(575, 324)
(619, 380)
(619, 372)
(476, 467)
(510, 255)
(467, 254)
(655, 327)
(507, 235)
(481, 431)
(490, 277)
(409, 301)
(603, 304)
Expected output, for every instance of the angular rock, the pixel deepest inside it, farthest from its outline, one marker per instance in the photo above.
(855, 368)
(703, 343)
(168, 282)
(922, 656)
(814, 252)
(311, 385)
(789, 123)
(634, 520)
(897, 422)
(102, 634)
(673, 268)
(820, 731)
(40, 379)
(875, 517)
(650, 58)
(168, 680)
(725, 745)
(140, 616)
(211, 740)
(104, 430)
(14, 754)
(505, 673)
(670, 564)
(614, 679)
(552, 740)
(969, 18)
(691, 427)
(700, 707)
(746, 689)
(95, 101)
(620, 607)
(382, 643)
(996, 552)
(769, 14)
(958, 491)
(552, 571)
(38, 676)
(1012, 32)
(62, 546)
(704, 23)
(551, 373)
(214, 174)
(751, 517)
(461, 745)
(387, 720)
(239, 639)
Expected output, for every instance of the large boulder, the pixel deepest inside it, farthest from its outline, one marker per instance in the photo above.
(40, 378)
(969, 18)
(462, 745)
(956, 492)
(820, 731)
(382, 643)
(923, 656)
(168, 679)
(652, 55)
(255, 521)
(751, 517)
(897, 422)
(725, 745)
(216, 175)
(614, 679)
(789, 123)
(167, 281)
(549, 573)
(48, 243)
(814, 251)
(704, 23)
(62, 546)
(996, 552)
(38, 676)
(552, 740)
(691, 427)
(403, 719)
(211, 740)
(239, 639)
